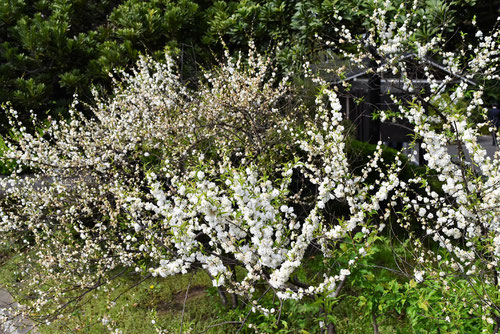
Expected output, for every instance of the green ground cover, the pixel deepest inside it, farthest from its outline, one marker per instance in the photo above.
(162, 300)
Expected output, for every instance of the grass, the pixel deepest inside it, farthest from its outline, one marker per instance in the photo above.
(349, 320)
(161, 300)
(157, 299)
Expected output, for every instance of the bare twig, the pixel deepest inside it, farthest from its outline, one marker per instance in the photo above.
(374, 323)
(184, 304)
(222, 324)
(248, 314)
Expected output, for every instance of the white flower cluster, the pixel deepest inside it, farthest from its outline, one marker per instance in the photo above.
(164, 180)
(460, 209)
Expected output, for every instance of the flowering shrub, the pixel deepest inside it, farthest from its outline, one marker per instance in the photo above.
(455, 251)
(241, 179)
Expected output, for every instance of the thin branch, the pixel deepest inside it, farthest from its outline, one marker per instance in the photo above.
(222, 324)
(248, 314)
(184, 304)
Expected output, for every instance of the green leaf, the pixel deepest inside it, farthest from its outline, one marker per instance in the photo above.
(423, 304)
